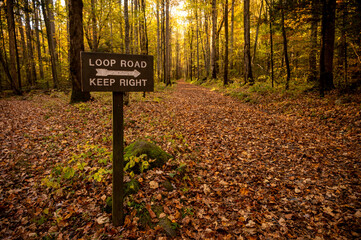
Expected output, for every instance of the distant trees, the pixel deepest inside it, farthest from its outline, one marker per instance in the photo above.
(314, 42)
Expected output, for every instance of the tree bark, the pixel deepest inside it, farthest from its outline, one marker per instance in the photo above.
(167, 44)
(126, 41)
(158, 43)
(14, 64)
(214, 35)
(76, 46)
(271, 40)
(225, 76)
(312, 76)
(327, 45)
(51, 43)
(197, 38)
(94, 26)
(232, 36)
(248, 77)
(38, 45)
(31, 61)
(257, 30)
(25, 58)
(285, 51)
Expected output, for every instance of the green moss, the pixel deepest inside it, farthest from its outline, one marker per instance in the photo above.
(154, 154)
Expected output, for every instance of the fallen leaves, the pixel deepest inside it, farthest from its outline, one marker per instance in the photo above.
(240, 171)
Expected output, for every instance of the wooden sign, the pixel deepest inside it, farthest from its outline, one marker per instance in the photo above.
(109, 72)
(117, 73)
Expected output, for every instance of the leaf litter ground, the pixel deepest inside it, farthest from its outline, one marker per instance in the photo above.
(240, 171)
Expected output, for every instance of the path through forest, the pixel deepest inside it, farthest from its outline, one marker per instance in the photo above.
(266, 174)
(240, 171)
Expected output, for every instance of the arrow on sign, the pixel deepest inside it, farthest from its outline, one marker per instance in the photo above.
(105, 72)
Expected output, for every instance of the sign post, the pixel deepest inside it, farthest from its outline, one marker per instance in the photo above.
(117, 73)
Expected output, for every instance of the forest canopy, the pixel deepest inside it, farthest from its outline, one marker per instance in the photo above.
(274, 42)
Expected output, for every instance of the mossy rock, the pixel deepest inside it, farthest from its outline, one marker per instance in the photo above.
(154, 154)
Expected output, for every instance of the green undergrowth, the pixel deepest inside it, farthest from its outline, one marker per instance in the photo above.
(259, 92)
(92, 163)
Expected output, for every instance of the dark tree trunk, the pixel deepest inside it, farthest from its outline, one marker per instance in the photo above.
(51, 43)
(327, 45)
(285, 51)
(38, 45)
(312, 77)
(31, 61)
(248, 77)
(14, 64)
(271, 41)
(76, 46)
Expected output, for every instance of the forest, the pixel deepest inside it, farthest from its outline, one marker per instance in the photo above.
(274, 43)
(253, 130)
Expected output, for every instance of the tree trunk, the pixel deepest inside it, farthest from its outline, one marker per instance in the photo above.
(76, 46)
(271, 41)
(327, 45)
(312, 76)
(197, 39)
(248, 77)
(214, 35)
(38, 45)
(158, 43)
(31, 61)
(257, 30)
(232, 36)
(167, 44)
(285, 48)
(225, 78)
(143, 30)
(25, 58)
(14, 64)
(94, 26)
(126, 41)
(3, 57)
(50, 43)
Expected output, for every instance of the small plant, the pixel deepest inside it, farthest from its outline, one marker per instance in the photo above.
(88, 164)
(84, 107)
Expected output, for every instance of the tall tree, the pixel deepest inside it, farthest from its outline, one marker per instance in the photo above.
(126, 41)
(38, 45)
(213, 40)
(248, 77)
(312, 62)
(167, 43)
(51, 43)
(14, 63)
(270, 6)
(257, 31)
(232, 35)
(285, 51)
(158, 41)
(327, 45)
(31, 60)
(76, 46)
(94, 26)
(225, 75)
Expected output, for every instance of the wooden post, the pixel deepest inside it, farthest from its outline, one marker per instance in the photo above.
(118, 159)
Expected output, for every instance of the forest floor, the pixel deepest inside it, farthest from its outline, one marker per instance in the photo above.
(277, 169)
